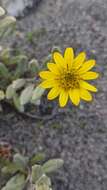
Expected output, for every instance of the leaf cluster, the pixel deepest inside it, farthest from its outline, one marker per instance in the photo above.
(25, 173)
(18, 79)
(17, 74)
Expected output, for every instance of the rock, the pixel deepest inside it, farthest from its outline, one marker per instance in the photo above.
(18, 7)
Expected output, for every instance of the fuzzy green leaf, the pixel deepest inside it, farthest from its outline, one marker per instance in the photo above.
(26, 94)
(5, 55)
(37, 173)
(37, 158)
(2, 11)
(44, 180)
(52, 165)
(19, 83)
(15, 183)
(2, 95)
(18, 59)
(20, 160)
(22, 66)
(33, 66)
(43, 183)
(7, 21)
(4, 162)
(11, 168)
(3, 71)
(43, 187)
(37, 93)
(10, 92)
(17, 104)
(36, 103)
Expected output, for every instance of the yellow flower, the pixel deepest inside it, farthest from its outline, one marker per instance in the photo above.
(67, 76)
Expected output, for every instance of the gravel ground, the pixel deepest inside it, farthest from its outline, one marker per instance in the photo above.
(78, 135)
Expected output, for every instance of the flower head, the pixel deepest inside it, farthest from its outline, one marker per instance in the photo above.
(66, 77)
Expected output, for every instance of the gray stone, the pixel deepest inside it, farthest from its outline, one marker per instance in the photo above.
(17, 7)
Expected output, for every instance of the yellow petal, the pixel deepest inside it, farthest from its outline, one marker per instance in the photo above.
(87, 66)
(86, 85)
(69, 57)
(53, 68)
(48, 84)
(59, 60)
(53, 93)
(46, 75)
(63, 98)
(74, 96)
(78, 61)
(89, 75)
(85, 95)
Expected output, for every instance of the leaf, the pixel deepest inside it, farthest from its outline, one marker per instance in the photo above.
(52, 165)
(22, 66)
(6, 31)
(18, 59)
(15, 183)
(33, 66)
(20, 160)
(36, 103)
(37, 158)
(44, 180)
(19, 164)
(37, 93)
(11, 168)
(10, 92)
(2, 95)
(2, 11)
(43, 187)
(4, 71)
(7, 21)
(5, 55)
(44, 183)
(37, 173)
(26, 94)
(19, 83)
(17, 104)
(4, 162)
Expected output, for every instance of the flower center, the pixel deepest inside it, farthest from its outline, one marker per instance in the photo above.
(69, 80)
